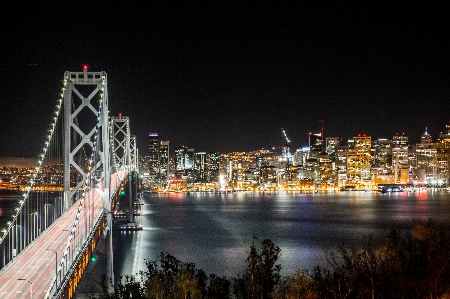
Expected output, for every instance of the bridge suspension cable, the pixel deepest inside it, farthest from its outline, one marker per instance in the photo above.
(32, 185)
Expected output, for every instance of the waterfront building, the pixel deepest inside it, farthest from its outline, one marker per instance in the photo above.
(189, 161)
(239, 176)
(164, 161)
(444, 153)
(252, 177)
(400, 159)
(179, 161)
(268, 177)
(310, 170)
(363, 146)
(340, 159)
(359, 162)
(357, 166)
(382, 155)
(153, 154)
(200, 166)
(231, 165)
(426, 158)
(325, 168)
(213, 167)
(291, 177)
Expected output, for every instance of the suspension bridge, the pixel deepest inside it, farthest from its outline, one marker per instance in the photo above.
(72, 197)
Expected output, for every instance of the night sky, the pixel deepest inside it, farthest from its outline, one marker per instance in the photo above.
(226, 76)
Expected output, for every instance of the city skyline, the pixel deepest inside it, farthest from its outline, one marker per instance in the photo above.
(342, 140)
(225, 76)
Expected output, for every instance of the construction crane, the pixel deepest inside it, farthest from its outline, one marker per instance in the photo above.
(286, 148)
(283, 133)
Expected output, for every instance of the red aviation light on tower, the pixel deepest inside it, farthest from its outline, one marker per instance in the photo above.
(85, 67)
(120, 114)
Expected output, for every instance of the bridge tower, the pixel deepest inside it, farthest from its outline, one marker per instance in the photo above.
(134, 154)
(124, 156)
(86, 145)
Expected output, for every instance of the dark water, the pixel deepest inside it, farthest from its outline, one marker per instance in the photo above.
(8, 203)
(214, 231)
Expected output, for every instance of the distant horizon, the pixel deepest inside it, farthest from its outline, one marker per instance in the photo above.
(22, 162)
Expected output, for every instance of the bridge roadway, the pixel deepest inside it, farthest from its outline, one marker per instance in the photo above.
(32, 273)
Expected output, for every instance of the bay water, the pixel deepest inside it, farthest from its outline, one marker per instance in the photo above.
(214, 230)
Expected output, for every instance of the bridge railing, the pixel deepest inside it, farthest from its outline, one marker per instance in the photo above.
(80, 243)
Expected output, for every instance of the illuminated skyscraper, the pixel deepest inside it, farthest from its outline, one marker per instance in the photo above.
(316, 142)
(200, 166)
(189, 162)
(444, 154)
(332, 142)
(179, 161)
(214, 161)
(400, 159)
(359, 160)
(164, 161)
(362, 144)
(383, 154)
(400, 140)
(153, 153)
(213, 166)
(341, 164)
(426, 159)
(426, 138)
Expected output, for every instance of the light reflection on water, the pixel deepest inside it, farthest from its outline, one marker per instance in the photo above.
(214, 231)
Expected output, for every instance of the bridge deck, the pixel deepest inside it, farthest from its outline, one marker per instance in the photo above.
(34, 268)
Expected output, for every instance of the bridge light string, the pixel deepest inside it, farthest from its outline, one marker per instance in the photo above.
(84, 188)
(31, 182)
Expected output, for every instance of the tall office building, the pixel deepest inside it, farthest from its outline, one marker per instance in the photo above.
(286, 153)
(359, 159)
(426, 138)
(179, 161)
(444, 154)
(332, 142)
(316, 142)
(164, 161)
(153, 153)
(382, 158)
(362, 144)
(400, 158)
(200, 166)
(214, 161)
(213, 167)
(189, 161)
(400, 140)
(341, 164)
(426, 160)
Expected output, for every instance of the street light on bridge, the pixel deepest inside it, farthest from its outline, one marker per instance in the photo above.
(56, 268)
(31, 285)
